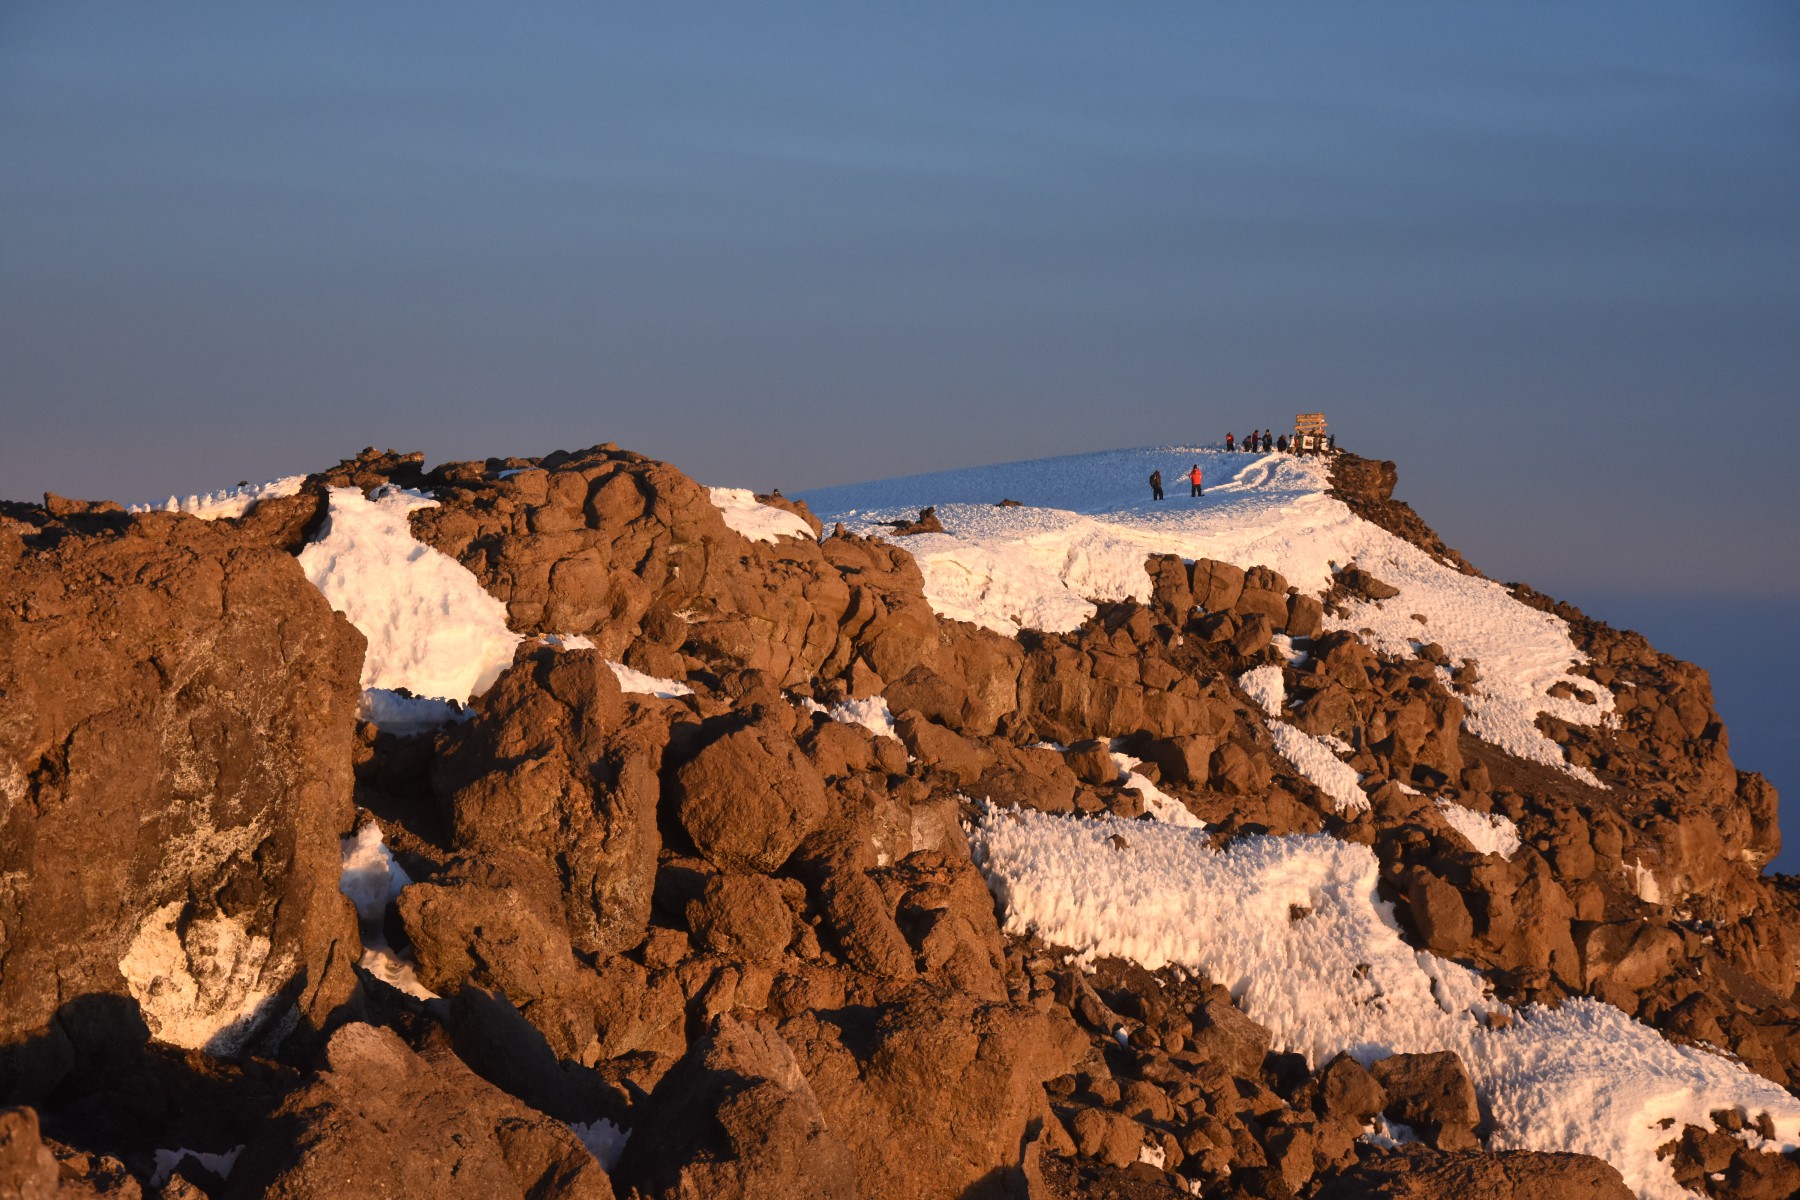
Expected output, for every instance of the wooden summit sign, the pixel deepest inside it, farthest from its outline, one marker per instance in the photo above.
(1310, 423)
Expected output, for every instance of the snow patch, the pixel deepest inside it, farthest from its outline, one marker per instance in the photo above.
(431, 627)
(209, 986)
(228, 502)
(372, 880)
(871, 713)
(755, 520)
(1583, 1077)
(604, 1140)
(167, 1160)
(1489, 833)
(396, 712)
(1158, 803)
(648, 685)
(1266, 686)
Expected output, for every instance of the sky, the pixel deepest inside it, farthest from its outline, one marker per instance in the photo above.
(1545, 256)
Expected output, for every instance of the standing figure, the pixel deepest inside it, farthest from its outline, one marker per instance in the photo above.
(1229, 447)
(1194, 477)
(1250, 442)
(1268, 442)
(1156, 485)
(1281, 443)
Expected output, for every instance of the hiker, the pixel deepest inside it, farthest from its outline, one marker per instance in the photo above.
(1281, 443)
(1228, 444)
(1194, 478)
(1251, 442)
(1268, 442)
(1331, 443)
(1156, 485)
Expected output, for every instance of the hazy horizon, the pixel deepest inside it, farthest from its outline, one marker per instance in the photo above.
(1545, 257)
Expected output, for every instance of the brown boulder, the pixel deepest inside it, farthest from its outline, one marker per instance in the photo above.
(742, 916)
(748, 798)
(1216, 586)
(1419, 1173)
(28, 1170)
(382, 1120)
(1224, 1035)
(737, 1120)
(553, 769)
(1092, 762)
(1347, 1092)
(1442, 916)
(1432, 1094)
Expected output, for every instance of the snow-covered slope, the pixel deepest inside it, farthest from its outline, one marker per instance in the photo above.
(1293, 926)
(1085, 524)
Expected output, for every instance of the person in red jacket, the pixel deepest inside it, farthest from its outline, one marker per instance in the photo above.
(1229, 445)
(1194, 478)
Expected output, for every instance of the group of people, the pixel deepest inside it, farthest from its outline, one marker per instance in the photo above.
(1259, 440)
(1262, 440)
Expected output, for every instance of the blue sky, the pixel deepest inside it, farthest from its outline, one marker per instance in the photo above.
(1546, 256)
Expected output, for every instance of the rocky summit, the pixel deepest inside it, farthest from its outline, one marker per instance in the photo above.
(563, 829)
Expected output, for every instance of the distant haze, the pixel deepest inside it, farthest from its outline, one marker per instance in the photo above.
(1546, 256)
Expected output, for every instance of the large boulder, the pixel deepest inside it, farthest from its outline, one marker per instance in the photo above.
(382, 1120)
(1420, 1173)
(555, 767)
(1431, 1093)
(750, 797)
(175, 772)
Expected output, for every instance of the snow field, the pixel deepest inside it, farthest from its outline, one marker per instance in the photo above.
(757, 521)
(1085, 528)
(431, 627)
(1294, 928)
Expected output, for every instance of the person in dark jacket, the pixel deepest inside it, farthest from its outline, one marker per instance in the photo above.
(1281, 443)
(1194, 478)
(1156, 485)
(1268, 442)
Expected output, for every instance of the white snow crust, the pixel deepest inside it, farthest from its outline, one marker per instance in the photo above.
(1339, 978)
(395, 712)
(1488, 833)
(431, 627)
(208, 987)
(1158, 803)
(227, 502)
(604, 1140)
(167, 1160)
(1316, 758)
(373, 880)
(631, 680)
(757, 521)
(1085, 528)
(871, 713)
